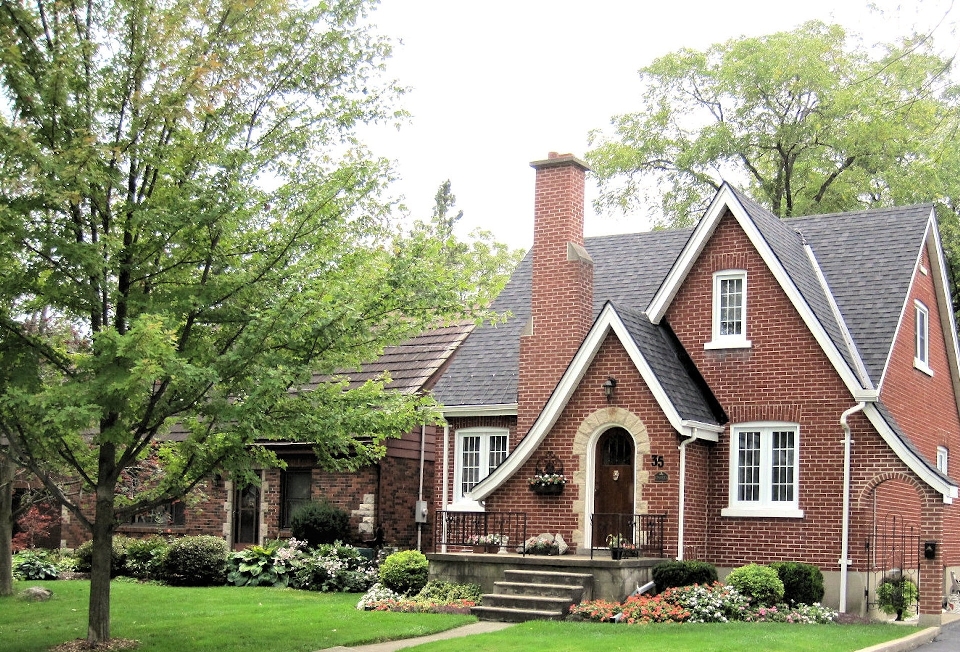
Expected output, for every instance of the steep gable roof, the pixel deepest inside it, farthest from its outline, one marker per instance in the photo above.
(687, 403)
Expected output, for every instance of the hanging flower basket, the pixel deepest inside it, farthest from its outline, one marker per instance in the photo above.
(547, 489)
(548, 478)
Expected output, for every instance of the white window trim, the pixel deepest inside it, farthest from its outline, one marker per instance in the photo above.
(719, 341)
(943, 460)
(485, 434)
(764, 508)
(921, 347)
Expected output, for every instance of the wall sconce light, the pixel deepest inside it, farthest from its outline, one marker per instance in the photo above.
(608, 386)
(929, 549)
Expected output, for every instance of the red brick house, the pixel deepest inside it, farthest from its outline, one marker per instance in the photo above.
(778, 389)
(386, 494)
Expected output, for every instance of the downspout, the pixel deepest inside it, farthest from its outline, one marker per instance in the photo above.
(423, 439)
(446, 477)
(683, 483)
(845, 532)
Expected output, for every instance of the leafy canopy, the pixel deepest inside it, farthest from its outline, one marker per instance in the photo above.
(190, 234)
(809, 120)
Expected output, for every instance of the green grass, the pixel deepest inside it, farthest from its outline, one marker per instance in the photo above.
(714, 637)
(173, 619)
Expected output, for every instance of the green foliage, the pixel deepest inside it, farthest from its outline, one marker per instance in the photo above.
(145, 557)
(320, 522)
(758, 582)
(802, 583)
(683, 573)
(404, 572)
(118, 557)
(335, 567)
(811, 119)
(270, 565)
(896, 594)
(443, 591)
(195, 561)
(34, 565)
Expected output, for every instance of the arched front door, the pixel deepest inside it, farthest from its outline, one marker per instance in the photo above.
(613, 490)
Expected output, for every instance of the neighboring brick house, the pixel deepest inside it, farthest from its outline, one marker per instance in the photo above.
(779, 389)
(384, 494)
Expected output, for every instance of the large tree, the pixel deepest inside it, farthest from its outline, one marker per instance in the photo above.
(809, 120)
(182, 196)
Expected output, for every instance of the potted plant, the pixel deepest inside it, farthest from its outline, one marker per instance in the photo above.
(489, 542)
(895, 594)
(616, 543)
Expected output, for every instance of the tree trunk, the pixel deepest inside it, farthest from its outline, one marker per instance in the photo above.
(98, 625)
(7, 471)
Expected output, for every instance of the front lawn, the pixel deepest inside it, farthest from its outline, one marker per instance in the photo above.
(165, 618)
(674, 637)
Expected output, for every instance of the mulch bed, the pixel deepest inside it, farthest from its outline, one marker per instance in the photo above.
(81, 645)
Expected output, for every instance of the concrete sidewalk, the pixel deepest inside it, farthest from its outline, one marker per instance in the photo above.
(481, 627)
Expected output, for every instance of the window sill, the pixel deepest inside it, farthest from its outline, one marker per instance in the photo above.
(922, 366)
(761, 512)
(727, 344)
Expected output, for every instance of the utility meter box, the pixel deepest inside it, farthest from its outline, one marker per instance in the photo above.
(421, 512)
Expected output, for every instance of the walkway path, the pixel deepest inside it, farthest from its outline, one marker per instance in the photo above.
(481, 627)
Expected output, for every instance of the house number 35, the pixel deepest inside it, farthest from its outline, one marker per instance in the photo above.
(656, 460)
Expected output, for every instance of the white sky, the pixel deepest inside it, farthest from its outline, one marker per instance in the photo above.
(496, 84)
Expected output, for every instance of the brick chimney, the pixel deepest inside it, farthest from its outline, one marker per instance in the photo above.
(562, 299)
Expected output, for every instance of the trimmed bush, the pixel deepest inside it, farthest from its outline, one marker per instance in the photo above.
(802, 583)
(145, 557)
(195, 561)
(441, 591)
(758, 582)
(320, 522)
(404, 572)
(118, 557)
(683, 573)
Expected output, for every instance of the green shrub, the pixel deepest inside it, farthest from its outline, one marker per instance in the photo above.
(269, 565)
(34, 565)
(145, 557)
(896, 594)
(758, 582)
(404, 572)
(441, 591)
(118, 557)
(195, 561)
(683, 573)
(802, 583)
(320, 522)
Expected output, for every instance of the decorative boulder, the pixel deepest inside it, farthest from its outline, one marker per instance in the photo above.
(36, 594)
(562, 546)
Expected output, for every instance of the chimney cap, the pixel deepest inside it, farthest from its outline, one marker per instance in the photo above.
(558, 160)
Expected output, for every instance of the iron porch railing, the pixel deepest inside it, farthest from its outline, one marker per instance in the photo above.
(496, 529)
(628, 535)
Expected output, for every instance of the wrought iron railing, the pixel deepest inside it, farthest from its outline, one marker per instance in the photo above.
(628, 535)
(494, 529)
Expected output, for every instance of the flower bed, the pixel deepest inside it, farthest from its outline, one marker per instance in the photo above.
(717, 603)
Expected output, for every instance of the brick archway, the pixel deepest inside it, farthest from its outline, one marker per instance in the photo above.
(583, 447)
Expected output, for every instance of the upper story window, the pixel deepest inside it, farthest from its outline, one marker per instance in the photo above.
(921, 358)
(479, 451)
(764, 478)
(943, 460)
(729, 310)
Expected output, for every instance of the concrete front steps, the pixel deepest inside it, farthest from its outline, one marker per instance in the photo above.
(533, 595)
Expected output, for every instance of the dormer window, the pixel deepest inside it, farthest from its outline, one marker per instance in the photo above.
(729, 310)
(921, 358)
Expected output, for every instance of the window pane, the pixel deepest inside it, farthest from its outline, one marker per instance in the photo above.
(782, 466)
(922, 331)
(470, 463)
(748, 467)
(296, 492)
(731, 306)
(498, 451)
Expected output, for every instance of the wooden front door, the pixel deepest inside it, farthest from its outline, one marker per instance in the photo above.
(613, 486)
(246, 517)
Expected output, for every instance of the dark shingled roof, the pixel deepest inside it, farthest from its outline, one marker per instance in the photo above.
(414, 364)
(866, 258)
